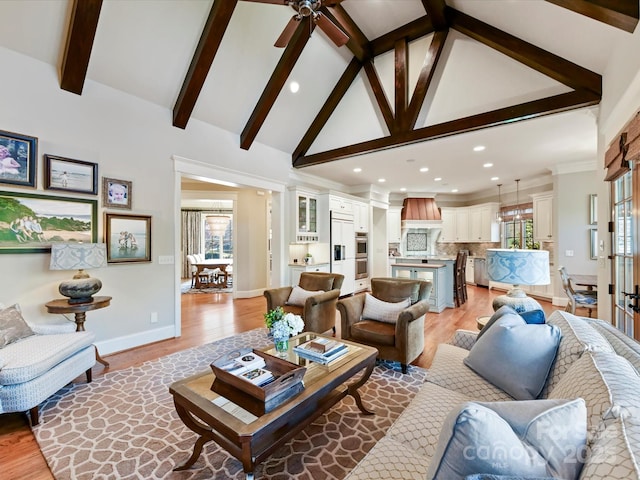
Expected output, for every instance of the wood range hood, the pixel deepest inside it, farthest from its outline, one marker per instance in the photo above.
(420, 213)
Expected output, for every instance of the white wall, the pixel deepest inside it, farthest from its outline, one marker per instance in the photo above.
(133, 140)
(571, 216)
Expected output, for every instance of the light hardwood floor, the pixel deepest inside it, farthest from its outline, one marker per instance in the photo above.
(206, 318)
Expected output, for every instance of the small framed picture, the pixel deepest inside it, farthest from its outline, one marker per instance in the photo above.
(70, 175)
(116, 193)
(18, 154)
(593, 209)
(128, 238)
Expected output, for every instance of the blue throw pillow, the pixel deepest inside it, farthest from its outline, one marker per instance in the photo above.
(515, 356)
(524, 439)
(534, 316)
(489, 476)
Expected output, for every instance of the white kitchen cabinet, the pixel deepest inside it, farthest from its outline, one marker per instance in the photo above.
(338, 204)
(296, 270)
(482, 223)
(470, 271)
(448, 233)
(363, 284)
(394, 225)
(543, 217)
(361, 217)
(462, 225)
(305, 227)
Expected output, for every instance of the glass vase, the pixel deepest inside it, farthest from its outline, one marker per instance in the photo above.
(282, 346)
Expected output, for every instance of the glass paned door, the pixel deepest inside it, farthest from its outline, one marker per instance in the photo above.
(623, 252)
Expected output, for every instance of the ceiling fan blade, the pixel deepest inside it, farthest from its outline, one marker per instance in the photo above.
(331, 3)
(332, 31)
(288, 32)
(274, 2)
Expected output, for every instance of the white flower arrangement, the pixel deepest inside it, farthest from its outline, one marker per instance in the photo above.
(283, 325)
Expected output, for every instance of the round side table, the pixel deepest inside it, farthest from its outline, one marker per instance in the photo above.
(482, 320)
(62, 306)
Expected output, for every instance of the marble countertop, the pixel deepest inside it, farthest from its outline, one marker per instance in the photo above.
(419, 265)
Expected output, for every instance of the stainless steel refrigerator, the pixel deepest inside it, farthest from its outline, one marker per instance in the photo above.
(343, 250)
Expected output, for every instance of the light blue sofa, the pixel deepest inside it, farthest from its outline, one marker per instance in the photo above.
(595, 362)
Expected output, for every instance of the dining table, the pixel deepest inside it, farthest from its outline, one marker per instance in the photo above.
(212, 264)
(589, 281)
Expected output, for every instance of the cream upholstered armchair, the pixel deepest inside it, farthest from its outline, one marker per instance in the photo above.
(397, 331)
(318, 310)
(38, 360)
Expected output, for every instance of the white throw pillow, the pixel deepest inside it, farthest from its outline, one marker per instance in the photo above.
(529, 438)
(298, 296)
(375, 309)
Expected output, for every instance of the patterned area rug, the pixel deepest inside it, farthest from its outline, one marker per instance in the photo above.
(124, 425)
(186, 288)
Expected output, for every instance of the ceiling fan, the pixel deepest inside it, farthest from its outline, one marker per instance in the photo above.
(309, 8)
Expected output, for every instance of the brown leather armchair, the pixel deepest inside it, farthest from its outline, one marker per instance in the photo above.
(319, 311)
(402, 341)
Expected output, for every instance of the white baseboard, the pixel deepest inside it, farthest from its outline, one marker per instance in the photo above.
(126, 342)
(248, 293)
(560, 301)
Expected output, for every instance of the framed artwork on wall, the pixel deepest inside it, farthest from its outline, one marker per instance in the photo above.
(18, 154)
(34, 222)
(593, 209)
(593, 243)
(116, 193)
(70, 175)
(128, 238)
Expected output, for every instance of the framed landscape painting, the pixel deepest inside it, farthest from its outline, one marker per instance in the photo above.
(31, 223)
(128, 238)
(70, 175)
(18, 154)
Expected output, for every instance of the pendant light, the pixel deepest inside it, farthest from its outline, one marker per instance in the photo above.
(499, 212)
(518, 216)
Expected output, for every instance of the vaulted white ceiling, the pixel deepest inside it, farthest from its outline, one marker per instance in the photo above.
(144, 48)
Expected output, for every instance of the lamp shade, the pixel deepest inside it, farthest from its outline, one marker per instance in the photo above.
(217, 224)
(518, 267)
(78, 256)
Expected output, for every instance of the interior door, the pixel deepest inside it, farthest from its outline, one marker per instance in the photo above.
(625, 198)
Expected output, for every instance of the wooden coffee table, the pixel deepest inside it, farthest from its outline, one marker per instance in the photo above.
(252, 439)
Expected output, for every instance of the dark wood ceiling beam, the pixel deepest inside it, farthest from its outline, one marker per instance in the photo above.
(525, 111)
(435, 11)
(358, 43)
(381, 96)
(401, 82)
(425, 77)
(216, 25)
(276, 82)
(622, 14)
(544, 62)
(80, 36)
(338, 92)
(411, 31)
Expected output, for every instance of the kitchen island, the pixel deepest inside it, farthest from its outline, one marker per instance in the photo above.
(439, 273)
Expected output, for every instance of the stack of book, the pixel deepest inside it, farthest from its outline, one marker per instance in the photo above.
(321, 350)
(247, 366)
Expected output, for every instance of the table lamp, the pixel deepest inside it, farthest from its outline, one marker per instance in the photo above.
(78, 256)
(518, 267)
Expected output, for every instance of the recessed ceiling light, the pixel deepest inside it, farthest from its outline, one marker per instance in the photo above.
(495, 178)
(437, 179)
(382, 180)
(479, 148)
(403, 189)
(488, 165)
(294, 87)
(357, 169)
(455, 190)
(424, 169)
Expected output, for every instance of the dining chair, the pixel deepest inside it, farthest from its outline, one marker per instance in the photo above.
(587, 299)
(459, 278)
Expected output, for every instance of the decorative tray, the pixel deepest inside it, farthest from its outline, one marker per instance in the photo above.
(259, 399)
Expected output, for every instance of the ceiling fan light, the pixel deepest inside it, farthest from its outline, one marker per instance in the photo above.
(307, 7)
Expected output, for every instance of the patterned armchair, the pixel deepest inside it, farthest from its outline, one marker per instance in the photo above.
(34, 367)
